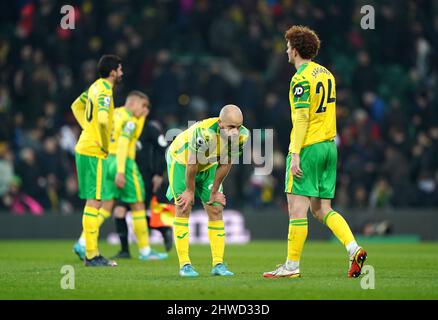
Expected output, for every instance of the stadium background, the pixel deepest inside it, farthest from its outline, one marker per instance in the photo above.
(192, 57)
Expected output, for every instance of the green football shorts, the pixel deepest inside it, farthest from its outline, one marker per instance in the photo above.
(318, 163)
(134, 186)
(177, 181)
(91, 175)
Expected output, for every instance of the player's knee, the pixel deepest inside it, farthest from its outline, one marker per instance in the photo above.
(138, 206)
(324, 212)
(119, 212)
(215, 212)
(314, 212)
(290, 208)
(107, 204)
(93, 203)
(320, 212)
(183, 213)
(296, 212)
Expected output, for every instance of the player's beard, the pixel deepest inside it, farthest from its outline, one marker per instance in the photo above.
(118, 79)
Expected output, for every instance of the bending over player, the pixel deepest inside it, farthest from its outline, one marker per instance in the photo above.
(198, 160)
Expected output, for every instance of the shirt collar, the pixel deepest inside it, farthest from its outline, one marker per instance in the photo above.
(302, 67)
(107, 83)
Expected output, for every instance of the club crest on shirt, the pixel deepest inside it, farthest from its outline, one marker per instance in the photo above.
(106, 101)
(129, 127)
(200, 142)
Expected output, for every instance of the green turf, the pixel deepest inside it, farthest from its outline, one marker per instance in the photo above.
(31, 270)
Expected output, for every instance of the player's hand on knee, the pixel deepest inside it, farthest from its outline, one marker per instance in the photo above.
(185, 199)
(120, 180)
(217, 197)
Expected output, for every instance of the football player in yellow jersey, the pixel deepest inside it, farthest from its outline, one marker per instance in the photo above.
(123, 180)
(198, 160)
(311, 162)
(94, 111)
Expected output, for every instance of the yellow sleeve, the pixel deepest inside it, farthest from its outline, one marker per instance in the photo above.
(140, 125)
(300, 93)
(122, 153)
(78, 108)
(300, 129)
(103, 105)
(104, 102)
(128, 132)
(102, 118)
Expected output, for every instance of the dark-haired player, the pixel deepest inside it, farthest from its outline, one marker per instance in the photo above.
(311, 162)
(95, 119)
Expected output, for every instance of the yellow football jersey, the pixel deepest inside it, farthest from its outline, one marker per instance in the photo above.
(203, 137)
(125, 125)
(314, 87)
(99, 98)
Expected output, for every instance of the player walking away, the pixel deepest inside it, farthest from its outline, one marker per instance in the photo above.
(311, 162)
(93, 110)
(151, 160)
(123, 180)
(198, 160)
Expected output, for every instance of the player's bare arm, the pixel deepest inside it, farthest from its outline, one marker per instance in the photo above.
(187, 197)
(221, 173)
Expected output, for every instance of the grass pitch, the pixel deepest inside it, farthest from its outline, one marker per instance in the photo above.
(32, 270)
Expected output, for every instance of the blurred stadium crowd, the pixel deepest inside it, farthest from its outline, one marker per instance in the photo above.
(194, 56)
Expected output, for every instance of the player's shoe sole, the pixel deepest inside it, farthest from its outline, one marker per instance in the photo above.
(357, 263)
(271, 276)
